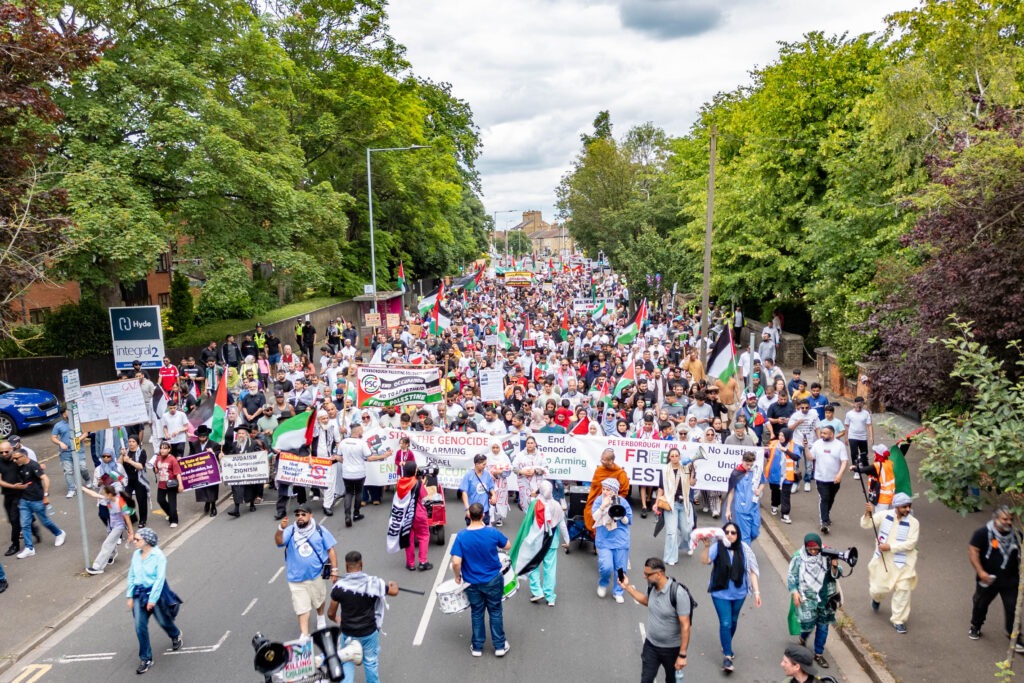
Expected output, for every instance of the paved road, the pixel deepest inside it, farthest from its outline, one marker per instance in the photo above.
(229, 574)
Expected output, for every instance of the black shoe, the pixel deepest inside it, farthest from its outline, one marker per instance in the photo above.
(426, 566)
(279, 516)
(875, 605)
(348, 521)
(144, 666)
(821, 661)
(825, 529)
(329, 512)
(411, 567)
(974, 633)
(206, 508)
(643, 512)
(142, 525)
(176, 642)
(356, 518)
(252, 507)
(213, 510)
(234, 512)
(3, 585)
(13, 550)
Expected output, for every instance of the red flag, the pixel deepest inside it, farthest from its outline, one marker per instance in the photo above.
(582, 427)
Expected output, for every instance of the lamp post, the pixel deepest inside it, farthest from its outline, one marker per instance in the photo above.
(505, 231)
(369, 195)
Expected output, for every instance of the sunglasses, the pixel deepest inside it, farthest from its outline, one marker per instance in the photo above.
(730, 532)
(302, 514)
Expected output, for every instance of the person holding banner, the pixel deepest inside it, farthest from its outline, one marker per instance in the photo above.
(355, 453)
(742, 501)
(530, 468)
(207, 495)
(168, 482)
(500, 467)
(244, 493)
(674, 491)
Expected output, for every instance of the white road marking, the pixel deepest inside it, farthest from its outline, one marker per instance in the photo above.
(643, 632)
(93, 657)
(199, 648)
(428, 609)
(32, 673)
(251, 605)
(276, 574)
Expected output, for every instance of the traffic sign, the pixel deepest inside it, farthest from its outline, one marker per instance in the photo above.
(72, 385)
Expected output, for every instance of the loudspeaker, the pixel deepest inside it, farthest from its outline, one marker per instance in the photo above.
(270, 657)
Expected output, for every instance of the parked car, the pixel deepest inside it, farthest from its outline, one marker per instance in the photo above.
(21, 408)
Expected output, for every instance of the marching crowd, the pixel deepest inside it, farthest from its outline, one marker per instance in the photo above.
(565, 372)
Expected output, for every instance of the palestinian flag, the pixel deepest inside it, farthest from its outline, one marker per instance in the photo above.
(295, 432)
(593, 289)
(582, 427)
(160, 403)
(438, 320)
(403, 510)
(564, 330)
(503, 339)
(532, 542)
(472, 285)
(599, 312)
(426, 304)
(401, 277)
(900, 469)
(629, 333)
(628, 377)
(722, 361)
(212, 411)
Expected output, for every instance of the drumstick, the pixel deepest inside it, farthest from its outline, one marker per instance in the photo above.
(412, 590)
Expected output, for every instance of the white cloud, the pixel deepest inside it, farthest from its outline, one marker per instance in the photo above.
(536, 72)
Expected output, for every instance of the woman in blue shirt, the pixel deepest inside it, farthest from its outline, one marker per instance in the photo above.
(148, 593)
(734, 574)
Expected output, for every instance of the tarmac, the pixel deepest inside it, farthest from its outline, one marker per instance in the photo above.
(55, 589)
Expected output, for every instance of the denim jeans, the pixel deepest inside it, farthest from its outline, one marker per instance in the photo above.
(487, 596)
(29, 510)
(820, 636)
(67, 463)
(678, 525)
(3, 577)
(142, 627)
(371, 651)
(728, 618)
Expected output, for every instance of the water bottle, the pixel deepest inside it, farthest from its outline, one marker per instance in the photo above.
(680, 675)
(49, 508)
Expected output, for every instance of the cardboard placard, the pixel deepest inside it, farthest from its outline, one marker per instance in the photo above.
(111, 404)
(372, 320)
(393, 320)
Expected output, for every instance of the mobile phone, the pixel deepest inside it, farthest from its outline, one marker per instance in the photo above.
(622, 574)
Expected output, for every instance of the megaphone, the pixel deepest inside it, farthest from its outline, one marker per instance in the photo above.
(849, 556)
(617, 511)
(270, 657)
(326, 639)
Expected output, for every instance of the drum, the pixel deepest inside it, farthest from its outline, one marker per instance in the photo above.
(451, 597)
(509, 580)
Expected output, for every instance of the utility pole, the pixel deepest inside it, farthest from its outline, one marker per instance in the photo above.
(706, 296)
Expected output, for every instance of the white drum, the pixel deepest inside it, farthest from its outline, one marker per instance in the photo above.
(451, 597)
(509, 580)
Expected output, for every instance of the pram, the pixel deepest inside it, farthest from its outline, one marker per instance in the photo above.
(577, 501)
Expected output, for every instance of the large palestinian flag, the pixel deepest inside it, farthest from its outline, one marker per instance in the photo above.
(722, 361)
(632, 331)
(295, 432)
(533, 541)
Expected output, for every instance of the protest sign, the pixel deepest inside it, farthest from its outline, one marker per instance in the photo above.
(199, 470)
(304, 471)
(492, 385)
(111, 404)
(519, 278)
(239, 469)
(390, 386)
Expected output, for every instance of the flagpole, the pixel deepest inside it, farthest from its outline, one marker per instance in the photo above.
(706, 294)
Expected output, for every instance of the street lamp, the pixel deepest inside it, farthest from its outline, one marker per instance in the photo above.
(369, 195)
(505, 231)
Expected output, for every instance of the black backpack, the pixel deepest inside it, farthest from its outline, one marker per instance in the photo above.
(672, 595)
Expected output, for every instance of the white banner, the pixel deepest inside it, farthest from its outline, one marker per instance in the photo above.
(492, 385)
(586, 305)
(117, 403)
(245, 468)
(571, 458)
(305, 471)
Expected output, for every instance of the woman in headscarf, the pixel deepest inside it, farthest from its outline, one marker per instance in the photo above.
(148, 594)
(734, 575)
(814, 592)
(612, 520)
(110, 472)
(608, 422)
(554, 526)
(712, 499)
(530, 468)
(780, 470)
(500, 467)
(134, 463)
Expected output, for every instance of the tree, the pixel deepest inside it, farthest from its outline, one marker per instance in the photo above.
(182, 315)
(32, 201)
(518, 243)
(976, 451)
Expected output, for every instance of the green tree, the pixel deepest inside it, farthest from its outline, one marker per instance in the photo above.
(182, 315)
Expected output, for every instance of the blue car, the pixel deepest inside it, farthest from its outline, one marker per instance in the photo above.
(22, 408)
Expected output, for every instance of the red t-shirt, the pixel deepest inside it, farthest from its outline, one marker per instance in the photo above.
(168, 377)
(166, 468)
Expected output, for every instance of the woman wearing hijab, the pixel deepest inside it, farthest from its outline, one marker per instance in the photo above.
(554, 524)
(109, 472)
(500, 467)
(780, 470)
(148, 594)
(134, 463)
(734, 575)
(608, 422)
(530, 468)
(814, 592)
(611, 536)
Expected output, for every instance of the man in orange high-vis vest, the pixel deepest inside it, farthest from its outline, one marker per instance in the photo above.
(882, 483)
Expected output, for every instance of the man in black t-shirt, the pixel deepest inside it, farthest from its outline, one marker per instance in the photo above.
(994, 552)
(360, 599)
(34, 497)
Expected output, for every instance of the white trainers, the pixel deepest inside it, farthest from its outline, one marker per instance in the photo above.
(775, 511)
(786, 519)
(690, 552)
(503, 651)
(795, 488)
(71, 494)
(174, 525)
(856, 475)
(601, 590)
(26, 552)
(93, 571)
(619, 599)
(61, 537)
(807, 486)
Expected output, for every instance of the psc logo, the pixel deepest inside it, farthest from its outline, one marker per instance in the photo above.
(370, 384)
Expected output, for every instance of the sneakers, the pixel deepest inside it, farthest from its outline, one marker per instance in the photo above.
(807, 486)
(536, 598)
(3, 587)
(690, 552)
(174, 525)
(727, 665)
(30, 552)
(775, 511)
(1019, 648)
(551, 603)
(974, 633)
(411, 567)
(476, 653)
(786, 519)
(825, 529)
(61, 537)
(12, 550)
(503, 651)
(618, 598)
(499, 523)
(901, 628)
(426, 566)
(176, 642)
(875, 605)
(795, 488)
(71, 494)
(821, 661)
(601, 590)
(856, 475)
(93, 571)
(144, 666)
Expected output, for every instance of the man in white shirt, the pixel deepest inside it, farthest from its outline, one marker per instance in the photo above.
(492, 425)
(175, 429)
(355, 453)
(859, 433)
(830, 460)
(804, 423)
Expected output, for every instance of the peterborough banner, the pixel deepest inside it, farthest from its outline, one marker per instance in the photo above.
(303, 470)
(384, 385)
(572, 458)
(245, 468)
(199, 470)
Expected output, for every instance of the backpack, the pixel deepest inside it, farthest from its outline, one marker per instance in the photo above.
(672, 595)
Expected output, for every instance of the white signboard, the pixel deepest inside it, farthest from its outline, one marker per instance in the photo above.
(72, 385)
(492, 385)
(138, 336)
(245, 468)
(112, 404)
(586, 305)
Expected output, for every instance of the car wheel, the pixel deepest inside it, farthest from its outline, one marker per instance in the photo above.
(7, 426)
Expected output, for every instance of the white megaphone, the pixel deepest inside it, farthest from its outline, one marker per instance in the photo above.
(327, 640)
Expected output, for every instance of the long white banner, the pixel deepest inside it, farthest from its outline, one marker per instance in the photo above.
(572, 458)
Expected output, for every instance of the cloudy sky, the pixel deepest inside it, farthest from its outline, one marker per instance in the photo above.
(536, 72)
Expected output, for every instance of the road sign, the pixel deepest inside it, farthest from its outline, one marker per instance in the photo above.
(72, 385)
(138, 336)
(368, 290)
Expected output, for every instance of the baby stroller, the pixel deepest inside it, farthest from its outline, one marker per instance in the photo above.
(578, 531)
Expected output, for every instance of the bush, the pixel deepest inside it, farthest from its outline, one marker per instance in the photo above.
(228, 293)
(182, 314)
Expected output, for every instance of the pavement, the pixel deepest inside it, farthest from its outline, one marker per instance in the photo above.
(53, 611)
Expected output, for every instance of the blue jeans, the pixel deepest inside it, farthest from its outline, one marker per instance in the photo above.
(678, 525)
(607, 562)
(728, 618)
(142, 627)
(3, 576)
(29, 510)
(371, 650)
(487, 596)
(67, 463)
(820, 636)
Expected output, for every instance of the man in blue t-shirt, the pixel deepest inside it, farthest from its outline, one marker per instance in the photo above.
(475, 561)
(307, 548)
(478, 487)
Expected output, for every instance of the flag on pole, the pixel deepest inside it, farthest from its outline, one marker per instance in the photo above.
(290, 435)
(378, 356)
(722, 361)
(593, 288)
(564, 331)
(219, 418)
(628, 377)
(401, 277)
(426, 304)
(582, 427)
(503, 339)
(532, 542)
(438, 320)
(631, 331)
(599, 312)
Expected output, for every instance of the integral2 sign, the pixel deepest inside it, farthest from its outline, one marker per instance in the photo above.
(137, 335)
